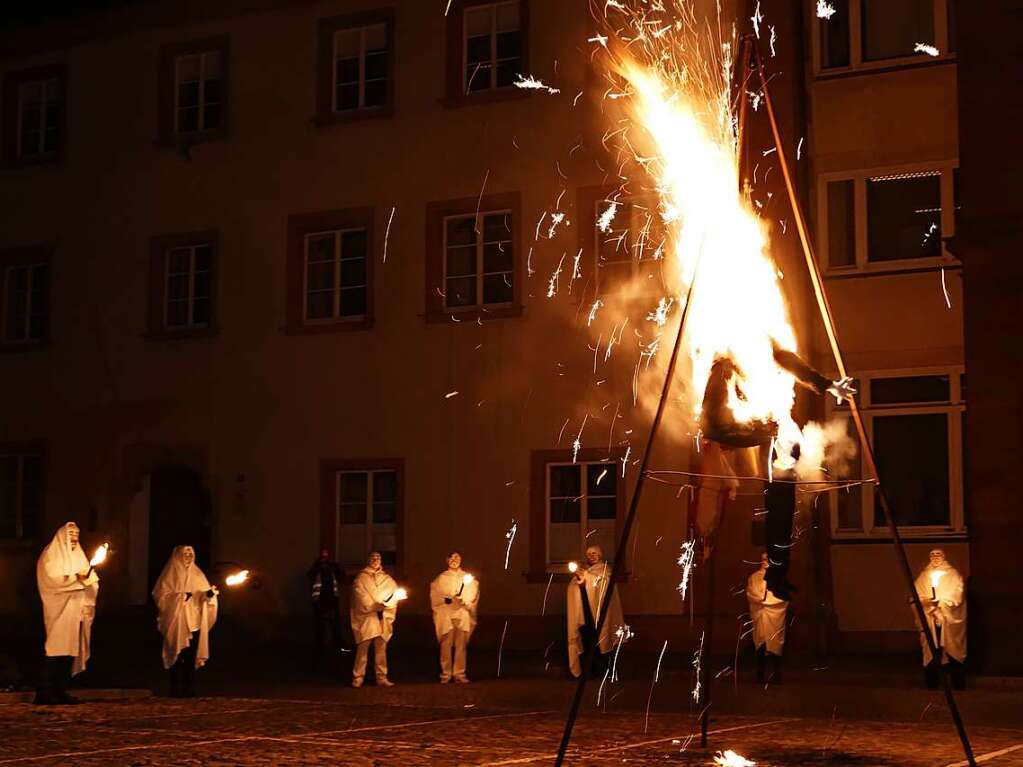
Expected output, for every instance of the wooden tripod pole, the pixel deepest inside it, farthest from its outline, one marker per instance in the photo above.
(865, 446)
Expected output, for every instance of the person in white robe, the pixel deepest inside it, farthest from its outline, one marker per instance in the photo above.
(374, 607)
(586, 590)
(767, 613)
(943, 595)
(454, 596)
(68, 588)
(187, 605)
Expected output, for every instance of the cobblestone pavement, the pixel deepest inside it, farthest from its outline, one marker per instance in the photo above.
(381, 729)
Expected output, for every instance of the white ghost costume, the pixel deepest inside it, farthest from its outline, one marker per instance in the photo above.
(596, 579)
(374, 608)
(949, 613)
(69, 605)
(453, 623)
(767, 613)
(180, 616)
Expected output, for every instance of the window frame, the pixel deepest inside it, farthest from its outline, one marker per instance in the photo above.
(201, 104)
(455, 44)
(330, 505)
(856, 62)
(437, 215)
(953, 409)
(10, 148)
(599, 205)
(160, 248)
(480, 274)
(167, 111)
(191, 324)
(302, 225)
(326, 88)
(583, 507)
(21, 450)
(32, 256)
(862, 265)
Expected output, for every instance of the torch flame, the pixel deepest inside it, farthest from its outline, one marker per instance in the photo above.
(100, 556)
(467, 579)
(731, 759)
(236, 579)
(573, 566)
(936, 576)
(400, 594)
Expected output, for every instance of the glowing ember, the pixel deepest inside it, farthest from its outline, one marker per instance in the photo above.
(685, 561)
(510, 537)
(236, 579)
(731, 759)
(930, 50)
(825, 10)
(467, 579)
(100, 556)
(400, 594)
(573, 566)
(532, 84)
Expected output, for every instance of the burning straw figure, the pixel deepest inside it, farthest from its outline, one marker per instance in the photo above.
(941, 591)
(454, 596)
(585, 595)
(767, 614)
(187, 604)
(68, 587)
(375, 598)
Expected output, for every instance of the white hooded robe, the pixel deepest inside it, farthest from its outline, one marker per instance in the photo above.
(370, 589)
(950, 612)
(68, 604)
(179, 617)
(447, 616)
(596, 579)
(767, 613)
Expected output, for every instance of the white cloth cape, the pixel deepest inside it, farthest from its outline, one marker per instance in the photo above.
(179, 617)
(950, 612)
(596, 578)
(369, 590)
(68, 604)
(767, 613)
(446, 616)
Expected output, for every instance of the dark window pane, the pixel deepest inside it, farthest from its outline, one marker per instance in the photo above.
(353, 513)
(477, 50)
(319, 305)
(320, 247)
(347, 71)
(178, 260)
(497, 289)
(177, 287)
(320, 276)
(834, 37)
(211, 117)
(903, 218)
(388, 558)
(188, 120)
(385, 486)
(890, 391)
(850, 508)
(461, 262)
(212, 91)
(376, 93)
(353, 244)
(177, 314)
(461, 291)
(508, 45)
(601, 479)
(201, 288)
(353, 272)
(507, 71)
(912, 461)
(497, 257)
(841, 224)
(347, 97)
(353, 302)
(188, 95)
(565, 510)
(461, 231)
(201, 311)
(891, 29)
(376, 66)
(600, 508)
(353, 486)
(385, 513)
(202, 258)
(565, 481)
(478, 78)
(496, 227)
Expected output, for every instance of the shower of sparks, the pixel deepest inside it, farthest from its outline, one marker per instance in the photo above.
(577, 442)
(500, 648)
(387, 231)
(799, 148)
(650, 695)
(944, 289)
(697, 666)
(604, 222)
(556, 219)
(930, 50)
(825, 10)
(685, 561)
(756, 18)
(510, 536)
(543, 609)
(660, 314)
(774, 39)
(532, 84)
(552, 284)
(731, 759)
(593, 311)
(598, 39)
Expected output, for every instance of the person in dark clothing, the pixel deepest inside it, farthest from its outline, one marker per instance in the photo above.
(325, 577)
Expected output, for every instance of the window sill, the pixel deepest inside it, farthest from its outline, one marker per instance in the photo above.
(330, 119)
(339, 326)
(473, 314)
(496, 95)
(888, 268)
(886, 65)
(179, 335)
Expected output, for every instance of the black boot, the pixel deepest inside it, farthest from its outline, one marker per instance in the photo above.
(45, 692)
(761, 652)
(775, 662)
(64, 677)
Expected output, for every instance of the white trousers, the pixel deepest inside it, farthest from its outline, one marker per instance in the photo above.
(455, 640)
(379, 658)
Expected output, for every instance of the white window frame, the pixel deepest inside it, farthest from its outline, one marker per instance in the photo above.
(953, 409)
(612, 467)
(45, 84)
(856, 62)
(339, 526)
(336, 289)
(362, 30)
(468, 78)
(202, 56)
(644, 202)
(19, 508)
(191, 324)
(860, 226)
(480, 244)
(25, 334)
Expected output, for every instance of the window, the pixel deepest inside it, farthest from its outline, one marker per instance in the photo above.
(330, 270)
(914, 421)
(631, 246)
(473, 257)
(21, 492)
(356, 66)
(478, 260)
(884, 219)
(487, 48)
(34, 115)
(25, 281)
(871, 33)
(362, 510)
(193, 92)
(182, 285)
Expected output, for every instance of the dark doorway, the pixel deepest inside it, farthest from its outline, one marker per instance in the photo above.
(179, 515)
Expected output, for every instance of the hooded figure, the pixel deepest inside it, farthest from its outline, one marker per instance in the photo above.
(767, 614)
(373, 610)
(585, 595)
(454, 596)
(188, 609)
(68, 591)
(942, 593)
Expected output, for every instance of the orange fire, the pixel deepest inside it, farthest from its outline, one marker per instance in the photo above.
(236, 579)
(100, 556)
